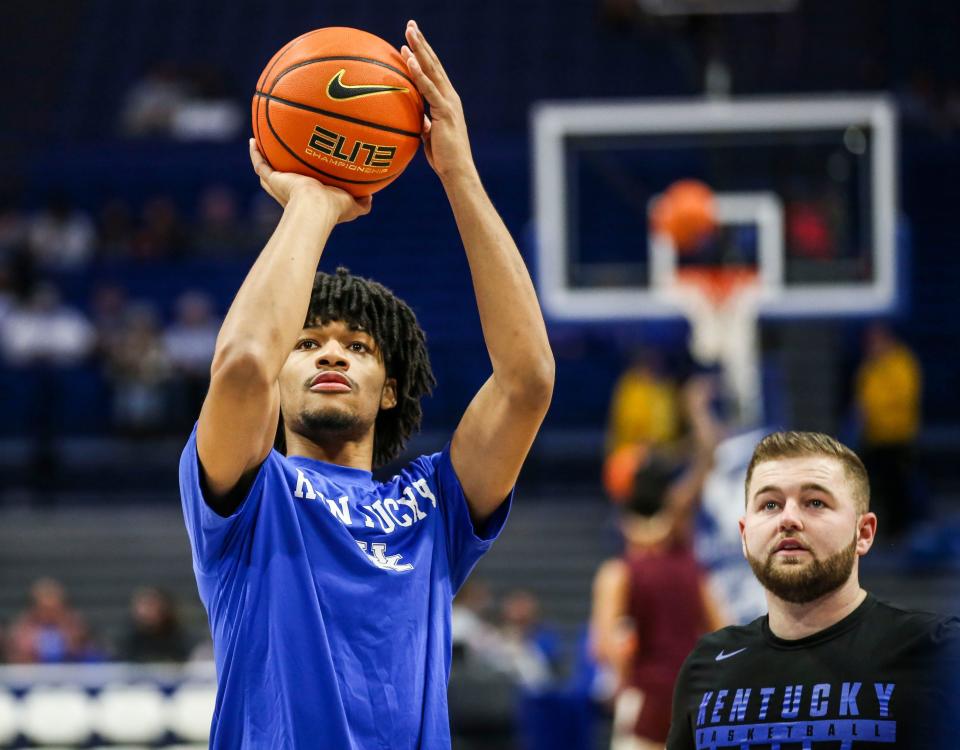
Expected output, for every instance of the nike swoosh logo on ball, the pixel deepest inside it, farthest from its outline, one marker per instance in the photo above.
(721, 656)
(338, 90)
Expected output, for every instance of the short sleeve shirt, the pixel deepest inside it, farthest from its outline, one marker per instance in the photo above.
(328, 595)
(883, 678)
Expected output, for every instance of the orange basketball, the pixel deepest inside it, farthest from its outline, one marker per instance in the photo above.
(686, 213)
(337, 104)
(620, 470)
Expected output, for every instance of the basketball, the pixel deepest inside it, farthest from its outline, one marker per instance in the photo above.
(620, 471)
(337, 104)
(686, 213)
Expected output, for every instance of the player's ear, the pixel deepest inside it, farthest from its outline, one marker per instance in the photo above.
(743, 541)
(388, 396)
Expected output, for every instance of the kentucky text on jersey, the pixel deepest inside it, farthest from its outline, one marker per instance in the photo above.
(839, 712)
(328, 595)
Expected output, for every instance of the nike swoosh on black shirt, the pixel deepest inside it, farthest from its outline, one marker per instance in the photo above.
(721, 656)
(339, 91)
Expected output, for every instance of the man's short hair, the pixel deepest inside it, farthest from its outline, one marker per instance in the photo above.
(371, 307)
(793, 444)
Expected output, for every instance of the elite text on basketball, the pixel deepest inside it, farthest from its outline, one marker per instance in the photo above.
(367, 158)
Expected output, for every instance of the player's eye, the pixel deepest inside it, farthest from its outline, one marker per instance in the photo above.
(359, 346)
(817, 503)
(306, 344)
(769, 505)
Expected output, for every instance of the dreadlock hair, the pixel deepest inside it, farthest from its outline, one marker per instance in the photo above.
(368, 305)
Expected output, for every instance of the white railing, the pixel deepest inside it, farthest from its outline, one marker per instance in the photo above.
(112, 704)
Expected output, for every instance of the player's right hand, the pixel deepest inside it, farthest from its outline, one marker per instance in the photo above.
(282, 186)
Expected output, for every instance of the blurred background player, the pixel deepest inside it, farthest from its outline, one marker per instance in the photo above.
(651, 605)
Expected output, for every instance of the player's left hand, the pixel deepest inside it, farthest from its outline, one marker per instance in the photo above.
(445, 139)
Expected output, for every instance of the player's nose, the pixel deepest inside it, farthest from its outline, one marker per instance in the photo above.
(332, 354)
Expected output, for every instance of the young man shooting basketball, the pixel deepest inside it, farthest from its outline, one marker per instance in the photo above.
(830, 666)
(328, 593)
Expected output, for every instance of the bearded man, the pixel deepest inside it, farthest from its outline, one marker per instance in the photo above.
(830, 666)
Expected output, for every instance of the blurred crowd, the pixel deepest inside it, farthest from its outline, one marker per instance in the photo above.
(155, 361)
(50, 630)
(61, 236)
(156, 371)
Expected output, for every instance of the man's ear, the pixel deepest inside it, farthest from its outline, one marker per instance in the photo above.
(388, 396)
(743, 539)
(866, 532)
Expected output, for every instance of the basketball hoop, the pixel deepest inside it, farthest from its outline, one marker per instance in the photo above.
(722, 304)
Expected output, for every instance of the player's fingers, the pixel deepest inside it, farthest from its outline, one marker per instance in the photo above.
(365, 203)
(433, 61)
(260, 165)
(426, 56)
(426, 87)
(426, 126)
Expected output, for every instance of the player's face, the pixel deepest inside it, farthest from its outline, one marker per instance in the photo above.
(334, 383)
(802, 532)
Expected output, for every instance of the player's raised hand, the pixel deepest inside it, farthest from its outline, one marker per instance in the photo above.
(281, 186)
(445, 139)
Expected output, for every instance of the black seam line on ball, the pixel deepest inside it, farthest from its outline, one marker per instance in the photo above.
(265, 76)
(308, 164)
(313, 60)
(337, 115)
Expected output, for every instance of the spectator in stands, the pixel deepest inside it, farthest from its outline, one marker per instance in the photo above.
(49, 631)
(62, 237)
(163, 235)
(190, 341)
(888, 391)
(41, 330)
(474, 638)
(155, 633)
(220, 231)
(483, 677)
(108, 308)
(153, 101)
(139, 369)
(41, 338)
(534, 646)
(643, 408)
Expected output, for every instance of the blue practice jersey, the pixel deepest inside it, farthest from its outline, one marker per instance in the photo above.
(328, 596)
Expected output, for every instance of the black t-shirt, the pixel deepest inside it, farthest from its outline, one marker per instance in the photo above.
(882, 677)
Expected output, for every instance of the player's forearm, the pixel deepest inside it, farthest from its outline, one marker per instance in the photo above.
(268, 312)
(510, 316)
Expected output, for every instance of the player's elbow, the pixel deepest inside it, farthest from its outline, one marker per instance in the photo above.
(241, 363)
(531, 388)
(535, 386)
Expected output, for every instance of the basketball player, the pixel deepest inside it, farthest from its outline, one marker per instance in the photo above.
(329, 593)
(652, 604)
(829, 666)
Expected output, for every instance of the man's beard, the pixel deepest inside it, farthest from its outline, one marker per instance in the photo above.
(321, 425)
(800, 584)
